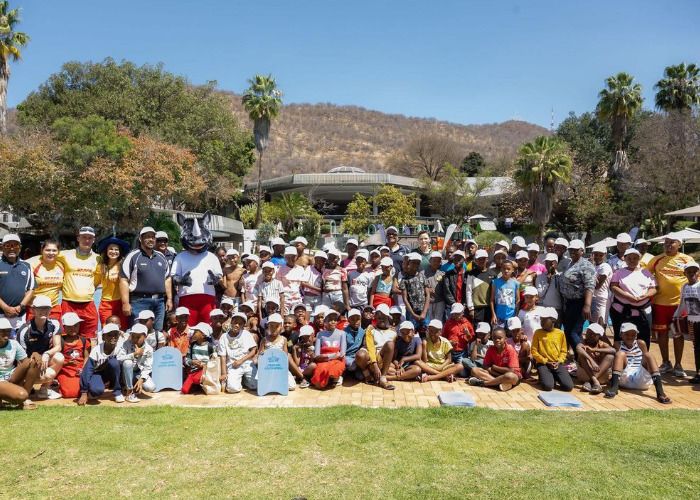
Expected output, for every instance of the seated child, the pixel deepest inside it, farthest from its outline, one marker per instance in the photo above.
(102, 367)
(354, 338)
(274, 339)
(634, 368)
(339, 307)
(155, 339)
(136, 357)
(200, 352)
(520, 342)
(179, 335)
(367, 317)
(396, 316)
(318, 316)
(301, 315)
(408, 349)
(436, 362)
(477, 348)
(330, 353)
(253, 323)
(18, 373)
(271, 306)
(376, 356)
(501, 365)
(303, 353)
(549, 351)
(291, 333)
(595, 358)
(238, 348)
(459, 331)
(75, 350)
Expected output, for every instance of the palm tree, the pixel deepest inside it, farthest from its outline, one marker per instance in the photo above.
(10, 43)
(543, 166)
(262, 101)
(679, 90)
(617, 104)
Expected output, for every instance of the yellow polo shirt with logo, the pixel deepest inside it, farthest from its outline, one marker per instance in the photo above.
(82, 274)
(670, 278)
(49, 280)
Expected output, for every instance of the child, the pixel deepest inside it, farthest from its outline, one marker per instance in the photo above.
(595, 358)
(318, 316)
(459, 331)
(408, 350)
(274, 339)
(155, 339)
(477, 348)
(269, 288)
(303, 353)
(290, 330)
(102, 366)
(335, 280)
(549, 352)
(216, 321)
(415, 293)
(354, 338)
(179, 335)
(374, 360)
(505, 298)
(342, 322)
(227, 307)
(18, 373)
(300, 316)
(519, 341)
(633, 365)
(272, 306)
(238, 348)
(330, 353)
(396, 316)
(253, 323)
(136, 357)
(501, 365)
(689, 308)
(367, 316)
(75, 351)
(530, 313)
(200, 352)
(436, 362)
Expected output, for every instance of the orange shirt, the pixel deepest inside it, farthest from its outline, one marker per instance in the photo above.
(49, 279)
(670, 278)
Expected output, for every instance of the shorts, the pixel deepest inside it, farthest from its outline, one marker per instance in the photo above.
(662, 317)
(636, 377)
(5, 377)
(350, 364)
(468, 364)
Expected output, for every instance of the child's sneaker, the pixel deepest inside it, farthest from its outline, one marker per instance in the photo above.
(695, 380)
(119, 398)
(665, 367)
(339, 381)
(476, 382)
(43, 392)
(678, 372)
(505, 386)
(51, 394)
(304, 384)
(131, 398)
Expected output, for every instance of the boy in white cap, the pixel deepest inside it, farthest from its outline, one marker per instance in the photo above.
(517, 339)
(179, 335)
(18, 373)
(238, 349)
(233, 272)
(407, 352)
(200, 352)
(136, 357)
(595, 358)
(269, 288)
(478, 348)
(689, 311)
(102, 366)
(312, 286)
(549, 351)
(416, 294)
(617, 260)
(250, 277)
(155, 339)
(459, 331)
(601, 294)
(292, 276)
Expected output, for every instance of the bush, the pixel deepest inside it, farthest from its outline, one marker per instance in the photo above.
(266, 231)
(488, 238)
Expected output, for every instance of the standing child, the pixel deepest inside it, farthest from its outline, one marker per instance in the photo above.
(238, 348)
(549, 352)
(200, 352)
(136, 357)
(275, 339)
(595, 358)
(416, 293)
(179, 335)
(18, 373)
(689, 308)
(330, 353)
(269, 288)
(505, 298)
(459, 331)
(102, 366)
(530, 313)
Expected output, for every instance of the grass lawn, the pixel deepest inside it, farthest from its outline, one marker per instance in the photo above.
(348, 452)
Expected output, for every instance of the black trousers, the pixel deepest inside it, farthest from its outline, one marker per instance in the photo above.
(548, 376)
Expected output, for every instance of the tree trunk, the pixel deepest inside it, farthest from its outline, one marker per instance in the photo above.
(258, 210)
(4, 77)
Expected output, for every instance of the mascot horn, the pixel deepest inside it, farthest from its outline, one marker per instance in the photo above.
(195, 235)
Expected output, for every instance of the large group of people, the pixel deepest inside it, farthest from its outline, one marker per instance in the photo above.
(492, 316)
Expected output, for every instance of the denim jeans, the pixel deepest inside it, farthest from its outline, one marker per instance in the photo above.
(155, 305)
(132, 374)
(94, 383)
(573, 321)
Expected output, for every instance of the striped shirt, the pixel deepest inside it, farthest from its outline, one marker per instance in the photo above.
(269, 289)
(634, 354)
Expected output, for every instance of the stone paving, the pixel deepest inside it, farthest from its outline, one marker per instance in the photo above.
(424, 395)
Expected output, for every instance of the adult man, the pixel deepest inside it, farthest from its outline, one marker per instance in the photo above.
(396, 250)
(144, 280)
(351, 247)
(668, 269)
(278, 246)
(162, 240)
(82, 270)
(16, 283)
(617, 260)
(232, 276)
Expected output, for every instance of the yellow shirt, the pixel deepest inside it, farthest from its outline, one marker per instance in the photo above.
(49, 280)
(437, 353)
(670, 278)
(82, 273)
(110, 284)
(549, 347)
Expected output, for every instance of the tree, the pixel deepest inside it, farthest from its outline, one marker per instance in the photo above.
(456, 195)
(290, 208)
(10, 43)
(426, 156)
(543, 166)
(146, 100)
(394, 207)
(472, 164)
(679, 90)
(262, 101)
(358, 216)
(617, 104)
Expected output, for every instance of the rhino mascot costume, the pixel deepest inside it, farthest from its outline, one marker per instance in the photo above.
(196, 271)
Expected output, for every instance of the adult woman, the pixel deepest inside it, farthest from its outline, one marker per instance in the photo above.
(384, 284)
(48, 275)
(576, 286)
(632, 290)
(424, 250)
(112, 251)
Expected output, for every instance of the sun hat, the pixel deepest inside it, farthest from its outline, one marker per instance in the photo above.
(268, 264)
(335, 251)
(123, 245)
(228, 301)
(413, 256)
(691, 264)
(521, 254)
(277, 241)
(598, 248)
(395, 310)
(231, 251)
(300, 239)
(503, 243)
(264, 248)
(561, 242)
(549, 312)
(352, 241)
(239, 315)
(290, 251)
(272, 300)
(331, 312)
(519, 241)
(6, 325)
(250, 305)
(320, 309)
(631, 251)
(320, 254)
(354, 312)
(435, 254)
(458, 253)
(384, 309)
(551, 256)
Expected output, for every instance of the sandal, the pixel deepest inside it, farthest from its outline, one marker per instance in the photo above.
(423, 378)
(450, 379)
(663, 399)
(384, 384)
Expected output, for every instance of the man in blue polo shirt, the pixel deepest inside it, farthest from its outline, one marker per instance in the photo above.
(144, 281)
(397, 251)
(16, 283)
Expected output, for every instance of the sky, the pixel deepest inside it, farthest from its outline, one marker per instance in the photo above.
(468, 62)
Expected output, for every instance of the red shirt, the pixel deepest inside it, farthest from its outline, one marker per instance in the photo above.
(459, 333)
(506, 359)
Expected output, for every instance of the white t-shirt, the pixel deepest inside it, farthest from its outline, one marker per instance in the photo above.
(359, 285)
(602, 293)
(99, 356)
(8, 355)
(291, 278)
(249, 282)
(235, 347)
(531, 321)
(381, 337)
(314, 277)
(198, 266)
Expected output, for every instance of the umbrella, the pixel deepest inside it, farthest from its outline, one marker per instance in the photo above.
(686, 212)
(437, 227)
(686, 236)
(478, 217)
(607, 242)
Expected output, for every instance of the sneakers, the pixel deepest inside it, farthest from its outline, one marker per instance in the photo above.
(596, 388)
(476, 382)
(695, 380)
(339, 381)
(587, 387)
(119, 398)
(131, 398)
(43, 392)
(304, 384)
(610, 394)
(678, 372)
(665, 367)
(51, 394)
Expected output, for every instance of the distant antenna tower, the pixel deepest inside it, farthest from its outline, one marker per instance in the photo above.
(551, 124)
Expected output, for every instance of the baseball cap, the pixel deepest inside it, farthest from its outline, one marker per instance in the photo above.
(216, 312)
(306, 331)
(268, 264)
(146, 314)
(375, 251)
(392, 228)
(576, 245)
(204, 328)
(182, 311)
(551, 256)
(5, 324)
(331, 312)
(500, 252)
(690, 264)
(70, 319)
(250, 305)
(265, 248)
(320, 309)
(275, 318)
(457, 308)
(11, 237)
(352, 241)
(239, 315)
(41, 301)
(254, 258)
(111, 327)
(414, 256)
(514, 323)
(231, 251)
(406, 325)
(458, 253)
(300, 239)
(147, 229)
(530, 290)
(562, 242)
(640, 241)
(624, 238)
(631, 251)
(395, 310)
(435, 254)
(384, 309)
(273, 300)
(483, 327)
(162, 235)
(386, 261)
(471, 242)
(299, 306)
(321, 254)
(335, 251)
(518, 240)
(435, 323)
(87, 230)
(354, 312)
(521, 254)
(277, 241)
(136, 328)
(381, 249)
(364, 254)
(628, 327)
(549, 312)
(533, 247)
(598, 248)
(595, 328)
(290, 251)
(504, 244)
(227, 301)
(674, 236)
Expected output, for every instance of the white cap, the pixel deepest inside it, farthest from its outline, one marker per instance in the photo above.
(290, 251)
(392, 228)
(335, 251)
(275, 318)
(533, 247)
(231, 251)
(111, 327)
(299, 306)
(384, 309)
(514, 323)
(354, 312)
(352, 241)
(457, 308)
(216, 312)
(435, 323)
(395, 310)
(500, 252)
(375, 251)
(227, 300)
(521, 254)
(414, 256)
(381, 249)
(435, 254)
(11, 237)
(300, 239)
(5, 324)
(549, 312)
(321, 254)
(458, 253)
(690, 264)
(182, 311)
(628, 327)
(320, 309)
(273, 300)
(551, 256)
(386, 261)
(576, 245)
(251, 304)
(640, 241)
(87, 230)
(265, 248)
(624, 238)
(406, 325)
(306, 331)
(518, 240)
(674, 236)
(504, 244)
(70, 319)
(162, 234)
(471, 242)
(147, 229)
(631, 251)
(331, 312)
(41, 301)
(562, 242)
(595, 328)
(146, 314)
(327, 247)
(530, 290)
(254, 258)
(363, 253)
(205, 328)
(598, 248)
(483, 327)
(267, 264)
(137, 328)
(277, 241)
(239, 315)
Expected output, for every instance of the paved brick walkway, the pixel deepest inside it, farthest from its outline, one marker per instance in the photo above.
(415, 394)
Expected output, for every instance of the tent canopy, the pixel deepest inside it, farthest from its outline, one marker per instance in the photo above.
(607, 242)
(687, 212)
(686, 236)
